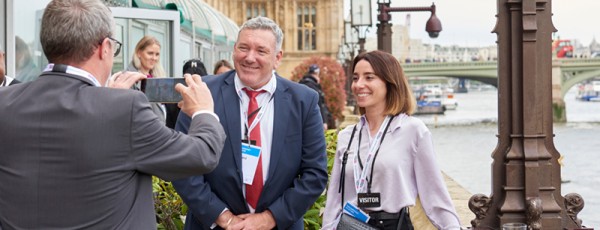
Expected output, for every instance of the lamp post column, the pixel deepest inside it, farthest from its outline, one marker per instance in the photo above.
(361, 43)
(384, 29)
(526, 178)
(384, 36)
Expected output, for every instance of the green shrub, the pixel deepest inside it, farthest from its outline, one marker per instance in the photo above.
(314, 216)
(168, 205)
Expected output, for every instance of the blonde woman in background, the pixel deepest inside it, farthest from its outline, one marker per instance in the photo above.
(146, 60)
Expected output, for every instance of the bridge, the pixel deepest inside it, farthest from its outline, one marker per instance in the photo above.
(565, 74)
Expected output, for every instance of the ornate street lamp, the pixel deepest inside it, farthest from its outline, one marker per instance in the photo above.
(360, 11)
(350, 41)
(350, 38)
(384, 28)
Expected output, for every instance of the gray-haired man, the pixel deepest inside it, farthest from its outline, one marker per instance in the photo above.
(274, 164)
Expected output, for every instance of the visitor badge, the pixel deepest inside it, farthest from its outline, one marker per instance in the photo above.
(355, 212)
(250, 155)
(369, 200)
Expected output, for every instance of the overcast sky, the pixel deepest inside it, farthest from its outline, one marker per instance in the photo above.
(470, 22)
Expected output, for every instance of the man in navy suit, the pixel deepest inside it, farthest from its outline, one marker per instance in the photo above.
(271, 170)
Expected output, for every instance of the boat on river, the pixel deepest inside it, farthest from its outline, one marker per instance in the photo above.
(589, 91)
(429, 101)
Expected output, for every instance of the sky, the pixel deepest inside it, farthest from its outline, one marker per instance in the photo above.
(470, 22)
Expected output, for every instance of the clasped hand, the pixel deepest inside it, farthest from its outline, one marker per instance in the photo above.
(252, 221)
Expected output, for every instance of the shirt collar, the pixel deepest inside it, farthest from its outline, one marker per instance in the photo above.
(395, 123)
(269, 87)
(76, 71)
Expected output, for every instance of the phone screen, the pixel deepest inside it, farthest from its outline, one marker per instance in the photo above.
(162, 89)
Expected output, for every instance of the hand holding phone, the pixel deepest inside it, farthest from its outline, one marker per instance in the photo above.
(196, 95)
(124, 79)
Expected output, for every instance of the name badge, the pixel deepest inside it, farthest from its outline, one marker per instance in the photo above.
(250, 155)
(355, 212)
(369, 200)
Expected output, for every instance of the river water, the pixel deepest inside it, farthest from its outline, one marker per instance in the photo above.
(465, 138)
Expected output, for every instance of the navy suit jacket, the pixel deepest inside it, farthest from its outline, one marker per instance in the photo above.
(298, 169)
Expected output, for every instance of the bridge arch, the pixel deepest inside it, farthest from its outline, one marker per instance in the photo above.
(483, 71)
(574, 79)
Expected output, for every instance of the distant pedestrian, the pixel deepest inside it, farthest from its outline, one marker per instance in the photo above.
(222, 66)
(192, 66)
(146, 60)
(312, 79)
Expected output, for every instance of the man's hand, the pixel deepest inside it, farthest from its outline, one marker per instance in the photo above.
(227, 219)
(255, 221)
(124, 79)
(196, 95)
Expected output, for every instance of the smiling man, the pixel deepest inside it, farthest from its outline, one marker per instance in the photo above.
(273, 165)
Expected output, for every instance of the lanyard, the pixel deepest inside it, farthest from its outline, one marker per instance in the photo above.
(261, 113)
(360, 174)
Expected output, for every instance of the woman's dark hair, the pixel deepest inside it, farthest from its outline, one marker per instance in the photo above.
(399, 98)
(220, 64)
(194, 66)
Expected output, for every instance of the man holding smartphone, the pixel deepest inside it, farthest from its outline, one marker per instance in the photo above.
(80, 155)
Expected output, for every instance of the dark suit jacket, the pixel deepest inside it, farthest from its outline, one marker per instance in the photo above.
(298, 168)
(80, 156)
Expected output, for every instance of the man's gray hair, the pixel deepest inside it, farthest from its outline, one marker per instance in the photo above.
(264, 23)
(72, 29)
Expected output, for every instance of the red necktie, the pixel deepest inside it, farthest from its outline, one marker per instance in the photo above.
(253, 191)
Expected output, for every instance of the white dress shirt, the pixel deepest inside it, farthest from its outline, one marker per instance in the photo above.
(266, 123)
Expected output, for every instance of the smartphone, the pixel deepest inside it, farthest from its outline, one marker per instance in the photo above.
(162, 89)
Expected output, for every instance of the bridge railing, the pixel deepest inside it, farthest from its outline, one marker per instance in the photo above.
(433, 65)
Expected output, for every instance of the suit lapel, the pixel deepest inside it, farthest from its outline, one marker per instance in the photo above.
(231, 106)
(281, 107)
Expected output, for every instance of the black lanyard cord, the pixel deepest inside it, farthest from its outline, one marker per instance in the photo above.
(248, 118)
(370, 181)
(343, 171)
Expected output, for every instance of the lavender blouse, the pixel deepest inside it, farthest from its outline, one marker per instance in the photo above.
(404, 168)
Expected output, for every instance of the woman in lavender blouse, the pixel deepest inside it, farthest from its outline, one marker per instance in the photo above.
(389, 158)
